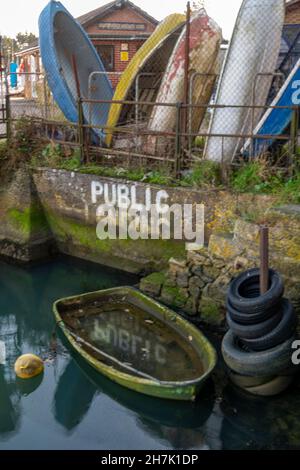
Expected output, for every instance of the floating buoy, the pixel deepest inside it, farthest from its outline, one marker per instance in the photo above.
(28, 366)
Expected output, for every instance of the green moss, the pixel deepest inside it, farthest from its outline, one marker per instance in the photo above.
(210, 312)
(153, 283)
(174, 296)
(153, 253)
(29, 220)
(155, 278)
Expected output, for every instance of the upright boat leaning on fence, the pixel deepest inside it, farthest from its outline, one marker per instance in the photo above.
(63, 43)
(137, 343)
(205, 41)
(254, 49)
(275, 121)
(153, 55)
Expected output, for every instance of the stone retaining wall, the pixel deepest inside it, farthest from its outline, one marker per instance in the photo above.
(25, 235)
(47, 209)
(198, 283)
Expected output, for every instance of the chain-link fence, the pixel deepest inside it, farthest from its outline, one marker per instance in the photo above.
(184, 96)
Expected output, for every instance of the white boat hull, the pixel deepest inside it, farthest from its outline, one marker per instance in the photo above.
(254, 49)
(205, 39)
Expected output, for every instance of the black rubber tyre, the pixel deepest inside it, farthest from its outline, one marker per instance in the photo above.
(258, 364)
(271, 389)
(244, 292)
(249, 331)
(283, 331)
(250, 318)
(244, 381)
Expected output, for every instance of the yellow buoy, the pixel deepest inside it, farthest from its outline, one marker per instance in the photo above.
(28, 366)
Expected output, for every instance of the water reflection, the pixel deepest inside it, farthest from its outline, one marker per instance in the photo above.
(78, 393)
(135, 338)
(9, 407)
(252, 422)
(73, 397)
(27, 323)
(178, 424)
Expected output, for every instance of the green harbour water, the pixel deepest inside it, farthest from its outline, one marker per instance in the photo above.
(72, 407)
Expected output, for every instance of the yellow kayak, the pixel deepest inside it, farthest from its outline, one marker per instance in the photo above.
(151, 47)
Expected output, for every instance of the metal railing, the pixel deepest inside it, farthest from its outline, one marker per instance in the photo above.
(176, 148)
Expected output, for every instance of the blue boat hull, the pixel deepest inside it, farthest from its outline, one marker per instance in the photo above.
(61, 39)
(276, 121)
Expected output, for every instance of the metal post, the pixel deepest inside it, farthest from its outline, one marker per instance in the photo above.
(76, 75)
(81, 129)
(253, 105)
(187, 64)
(177, 141)
(45, 98)
(264, 259)
(294, 131)
(8, 117)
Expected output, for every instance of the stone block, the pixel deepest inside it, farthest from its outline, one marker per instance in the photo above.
(211, 273)
(196, 281)
(152, 284)
(177, 266)
(183, 279)
(246, 231)
(223, 247)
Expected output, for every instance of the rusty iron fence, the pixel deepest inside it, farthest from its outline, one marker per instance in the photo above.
(153, 133)
(132, 142)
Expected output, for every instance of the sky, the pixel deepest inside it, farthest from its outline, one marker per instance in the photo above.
(22, 15)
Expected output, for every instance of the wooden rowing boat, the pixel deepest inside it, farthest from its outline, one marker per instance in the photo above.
(254, 49)
(137, 343)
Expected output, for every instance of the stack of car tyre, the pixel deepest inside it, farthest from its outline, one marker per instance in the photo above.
(262, 328)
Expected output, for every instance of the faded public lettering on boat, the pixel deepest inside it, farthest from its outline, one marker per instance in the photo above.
(129, 342)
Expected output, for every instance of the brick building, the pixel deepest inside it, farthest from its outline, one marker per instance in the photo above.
(292, 12)
(117, 29)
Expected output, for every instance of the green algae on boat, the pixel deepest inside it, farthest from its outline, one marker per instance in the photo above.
(137, 342)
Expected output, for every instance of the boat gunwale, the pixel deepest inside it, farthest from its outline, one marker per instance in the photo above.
(184, 325)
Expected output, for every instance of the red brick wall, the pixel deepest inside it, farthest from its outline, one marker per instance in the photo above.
(124, 15)
(120, 66)
(293, 14)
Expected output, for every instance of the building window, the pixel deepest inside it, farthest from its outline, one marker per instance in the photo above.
(107, 55)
